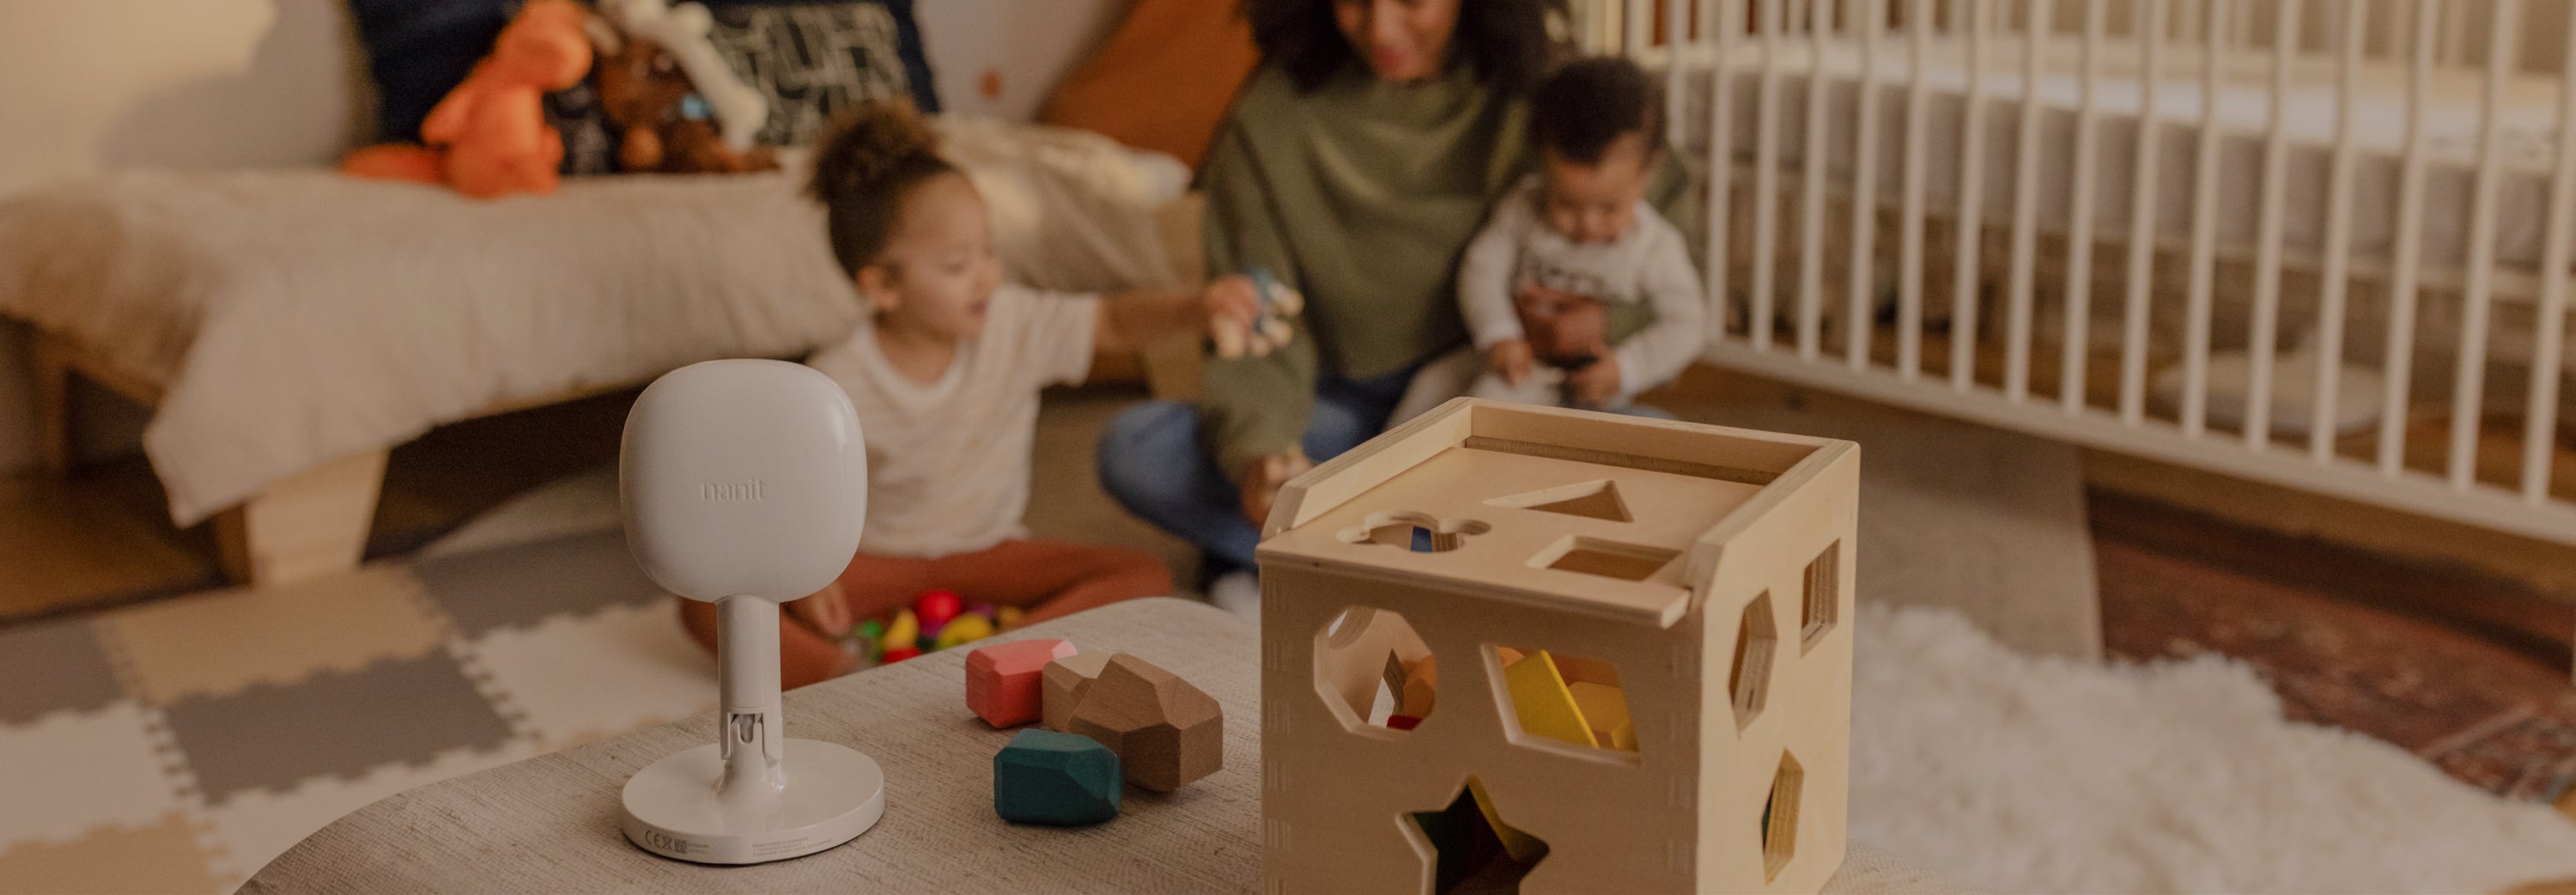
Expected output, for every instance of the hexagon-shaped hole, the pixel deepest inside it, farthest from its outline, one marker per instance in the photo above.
(1756, 638)
(1374, 671)
(1780, 816)
(1570, 699)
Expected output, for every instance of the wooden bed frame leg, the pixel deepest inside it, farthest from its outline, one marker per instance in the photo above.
(309, 526)
(53, 385)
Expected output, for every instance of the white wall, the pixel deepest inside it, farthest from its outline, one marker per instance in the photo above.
(95, 85)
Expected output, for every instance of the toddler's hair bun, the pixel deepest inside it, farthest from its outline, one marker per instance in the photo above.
(874, 145)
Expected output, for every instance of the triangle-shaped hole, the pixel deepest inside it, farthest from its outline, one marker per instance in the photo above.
(1597, 499)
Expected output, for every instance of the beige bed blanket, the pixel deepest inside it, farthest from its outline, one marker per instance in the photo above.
(292, 317)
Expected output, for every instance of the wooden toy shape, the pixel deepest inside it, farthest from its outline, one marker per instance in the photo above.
(1166, 731)
(1003, 680)
(1631, 551)
(1045, 777)
(1062, 684)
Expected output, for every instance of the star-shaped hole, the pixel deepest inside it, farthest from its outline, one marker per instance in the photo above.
(1474, 849)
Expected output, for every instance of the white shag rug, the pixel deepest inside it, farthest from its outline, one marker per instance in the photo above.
(2049, 775)
(2041, 774)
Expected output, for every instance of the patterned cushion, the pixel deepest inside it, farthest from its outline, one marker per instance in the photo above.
(813, 60)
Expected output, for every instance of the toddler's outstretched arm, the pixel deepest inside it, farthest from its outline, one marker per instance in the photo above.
(1129, 320)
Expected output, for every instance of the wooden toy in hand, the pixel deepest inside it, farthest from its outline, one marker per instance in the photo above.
(1275, 327)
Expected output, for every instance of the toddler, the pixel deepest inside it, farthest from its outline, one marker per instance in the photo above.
(1576, 292)
(945, 376)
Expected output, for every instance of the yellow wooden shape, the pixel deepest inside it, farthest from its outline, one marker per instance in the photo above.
(1523, 847)
(1605, 710)
(902, 631)
(1545, 707)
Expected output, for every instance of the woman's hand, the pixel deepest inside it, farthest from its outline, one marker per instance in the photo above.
(1594, 385)
(824, 611)
(1232, 306)
(1512, 359)
(1262, 480)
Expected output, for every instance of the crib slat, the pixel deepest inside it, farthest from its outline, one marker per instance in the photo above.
(1857, 322)
(2540, 421)
(2025, 224)
(2079, 214)
(1640, 19)
(2332, 298)
(1811, 198)
(2204, 229)
(2142, 214)
(2405, 279)
(2468, 386)
(1766, 176)
(2267, 259)
(1972, 203)
(1724, 17)
(1910, 218)
(1676, 39)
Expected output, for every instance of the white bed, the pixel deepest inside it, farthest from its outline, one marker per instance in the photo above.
(281, 321)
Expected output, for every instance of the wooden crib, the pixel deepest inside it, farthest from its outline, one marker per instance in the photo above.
(2319, 243)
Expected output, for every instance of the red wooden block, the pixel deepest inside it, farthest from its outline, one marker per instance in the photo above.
(1402, 722)
(1002, 680)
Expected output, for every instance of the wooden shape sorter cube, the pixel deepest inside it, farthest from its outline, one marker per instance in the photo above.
(1681, 588)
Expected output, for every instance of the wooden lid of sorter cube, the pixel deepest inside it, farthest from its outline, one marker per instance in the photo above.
(1588, 512)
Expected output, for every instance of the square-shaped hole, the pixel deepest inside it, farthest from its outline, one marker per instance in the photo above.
(1573, 699)
(1605, 558)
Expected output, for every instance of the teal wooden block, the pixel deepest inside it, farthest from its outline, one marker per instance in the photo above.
(1060, 779)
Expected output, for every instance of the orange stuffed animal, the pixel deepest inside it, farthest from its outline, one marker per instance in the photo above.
(489, 137)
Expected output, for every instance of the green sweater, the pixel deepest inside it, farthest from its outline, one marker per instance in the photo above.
(1362, 195)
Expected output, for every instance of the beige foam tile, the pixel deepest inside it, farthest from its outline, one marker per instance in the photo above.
(218, 643)
(574, 678)
(160, 855)
(75, 772)
(256, 826)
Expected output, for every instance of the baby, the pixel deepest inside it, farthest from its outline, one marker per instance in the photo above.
(1576, 292)
(945, 377)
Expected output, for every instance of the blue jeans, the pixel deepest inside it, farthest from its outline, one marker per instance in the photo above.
(1151, 460)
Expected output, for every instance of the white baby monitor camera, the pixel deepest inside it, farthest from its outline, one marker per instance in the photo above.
(744, 483)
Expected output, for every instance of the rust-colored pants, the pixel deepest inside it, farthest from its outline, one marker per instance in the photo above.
(1050, 579)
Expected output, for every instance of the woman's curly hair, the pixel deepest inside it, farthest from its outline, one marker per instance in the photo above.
(1506, 40)
(863, 169)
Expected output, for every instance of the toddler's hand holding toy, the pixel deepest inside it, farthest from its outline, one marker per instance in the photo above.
(1513, 359)
(1594, 384)
(1233, 308)
(1267, 328)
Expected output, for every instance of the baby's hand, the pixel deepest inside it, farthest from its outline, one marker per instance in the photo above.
(1513, 359)
(1595, 384)
(1232, 305)
(824, 611)
(1261, 482)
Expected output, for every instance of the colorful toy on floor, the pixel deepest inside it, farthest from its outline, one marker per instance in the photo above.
(1062, 685)
(936, 608)
(1003, 681)
(963, 629)
(489, 136)
(1276, 325)
(1675, 595)
(1058, 779)
(1165, 731)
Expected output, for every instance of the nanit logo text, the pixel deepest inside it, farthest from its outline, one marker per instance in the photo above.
(750, 489)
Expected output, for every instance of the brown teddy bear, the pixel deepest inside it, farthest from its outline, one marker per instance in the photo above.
(661, 122)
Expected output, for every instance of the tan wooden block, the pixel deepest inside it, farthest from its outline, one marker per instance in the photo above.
(1062, 685)
(1421, 687)
(1166, 731)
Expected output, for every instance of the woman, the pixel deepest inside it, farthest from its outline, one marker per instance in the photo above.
(1354, 166)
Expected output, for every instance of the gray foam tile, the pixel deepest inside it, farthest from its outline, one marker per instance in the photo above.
(524, 583)
(404, 711)
(53, 666)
